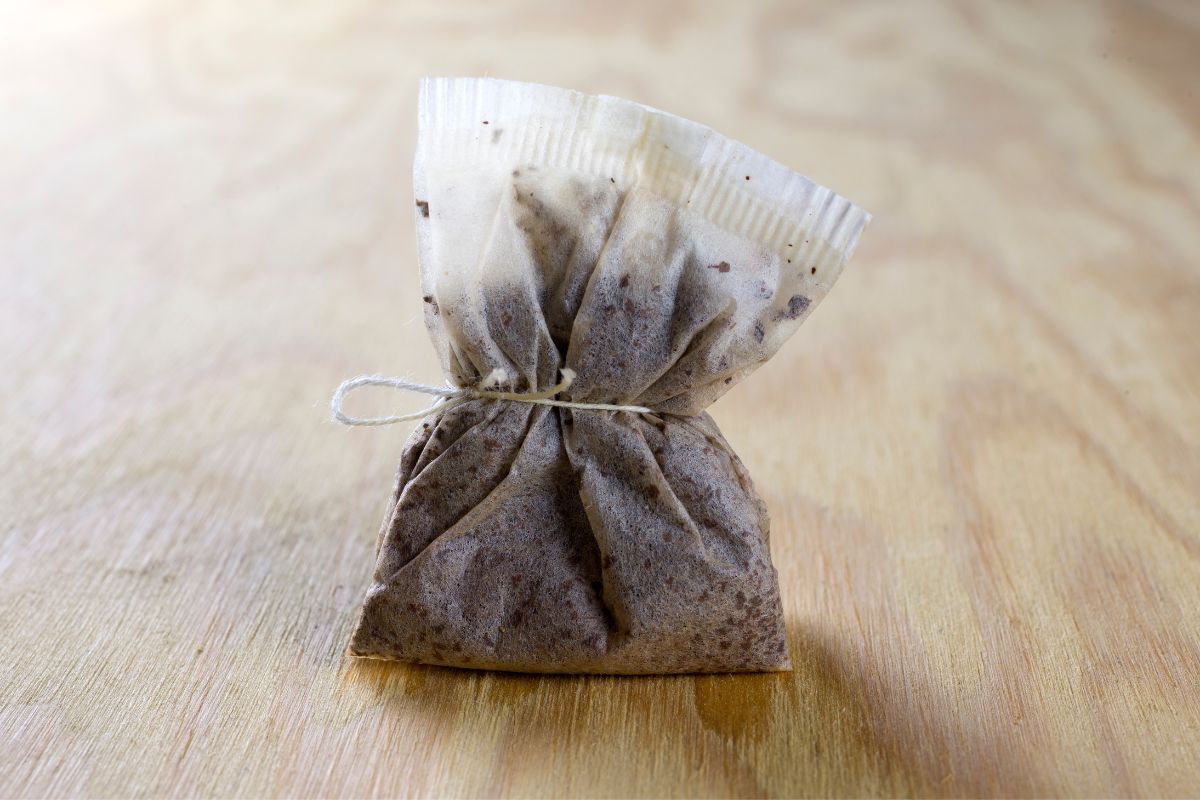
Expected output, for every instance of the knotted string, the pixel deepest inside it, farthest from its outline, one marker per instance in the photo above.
(450, 396)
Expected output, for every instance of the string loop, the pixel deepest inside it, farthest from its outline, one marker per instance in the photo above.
(450, 396)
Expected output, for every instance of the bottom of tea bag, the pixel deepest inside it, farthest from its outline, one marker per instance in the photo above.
(366, 645)
(523, 540)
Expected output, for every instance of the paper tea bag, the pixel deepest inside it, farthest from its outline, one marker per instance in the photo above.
(661, 263)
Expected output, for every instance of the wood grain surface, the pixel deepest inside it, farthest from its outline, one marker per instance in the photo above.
(981, 454)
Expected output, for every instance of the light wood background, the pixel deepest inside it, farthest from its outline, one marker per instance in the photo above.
(981, 454)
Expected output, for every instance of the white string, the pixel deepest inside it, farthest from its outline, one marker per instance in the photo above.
(450, 396)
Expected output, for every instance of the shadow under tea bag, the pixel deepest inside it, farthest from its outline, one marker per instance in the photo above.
(658, 262)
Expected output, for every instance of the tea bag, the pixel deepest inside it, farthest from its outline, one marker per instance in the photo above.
(657, 263)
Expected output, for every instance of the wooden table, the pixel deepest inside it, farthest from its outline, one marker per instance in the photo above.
(981, 455)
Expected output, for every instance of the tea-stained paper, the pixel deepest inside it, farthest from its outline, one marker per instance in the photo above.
(662, 263)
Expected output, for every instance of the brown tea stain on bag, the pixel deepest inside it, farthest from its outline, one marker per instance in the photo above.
(423, 207)
(549, 236)
(796, 307)
(722, 267)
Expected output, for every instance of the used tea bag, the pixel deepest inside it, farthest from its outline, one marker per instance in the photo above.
(658, 262)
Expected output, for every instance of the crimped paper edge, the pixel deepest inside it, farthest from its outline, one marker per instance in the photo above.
(726, 182)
